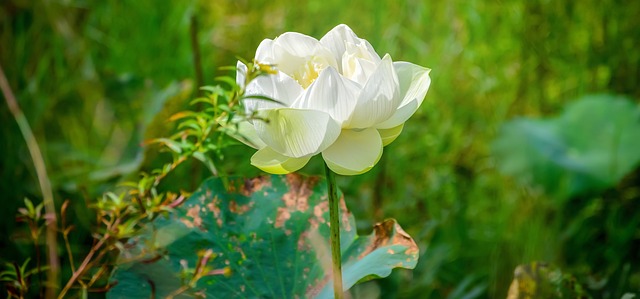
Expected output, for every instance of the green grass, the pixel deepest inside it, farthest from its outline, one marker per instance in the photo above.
(91, 77)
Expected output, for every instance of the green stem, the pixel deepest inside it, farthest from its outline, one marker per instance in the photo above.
(334, 221)
(196, 168)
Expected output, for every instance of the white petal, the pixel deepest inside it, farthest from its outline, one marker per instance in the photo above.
(279, 87)
(264, 53)
(293, 53)
(241, 73)
(270, 161)
(335, 40)
(355, 152)
(379, 98)
(389, 135)
(297, 44)
(332, 94)
(414, 83)
(244, 132)
(357, 69)
(296, 132)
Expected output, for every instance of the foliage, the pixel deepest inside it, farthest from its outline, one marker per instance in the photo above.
(574, 158)
(266, 238)
(18, 278)
(583, 150)
(122, 215)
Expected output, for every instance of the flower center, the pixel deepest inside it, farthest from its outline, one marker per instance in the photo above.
(309, 71)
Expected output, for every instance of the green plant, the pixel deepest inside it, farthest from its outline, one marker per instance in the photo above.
(121, 215)
(17, 278)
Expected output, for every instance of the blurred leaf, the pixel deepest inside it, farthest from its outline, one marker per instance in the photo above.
(183, 114)
(272, 233)
(590, 147)
(29, 205)
(171, 144)
(541, 280)
(227, 79)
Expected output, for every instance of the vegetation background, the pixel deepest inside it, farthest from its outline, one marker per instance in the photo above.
(97, 78)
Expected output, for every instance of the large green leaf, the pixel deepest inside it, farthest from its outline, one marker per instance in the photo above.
(272, 234)
(590, 147)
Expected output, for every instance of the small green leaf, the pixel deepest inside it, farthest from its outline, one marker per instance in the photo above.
(229, 80)
(204, 100)
(261, 97)
(191, 123)
(23, 268)
(216, 90)
(181, 115)
(228, 68)
(30, 208)
(171, 144)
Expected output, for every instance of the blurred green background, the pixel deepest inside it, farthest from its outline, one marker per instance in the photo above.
(96, 78)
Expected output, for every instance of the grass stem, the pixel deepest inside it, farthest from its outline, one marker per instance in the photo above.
(45, 185)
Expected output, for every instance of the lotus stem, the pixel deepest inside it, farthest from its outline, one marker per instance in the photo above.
(334, 222)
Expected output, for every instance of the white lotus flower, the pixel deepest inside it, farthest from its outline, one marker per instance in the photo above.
(336, 97)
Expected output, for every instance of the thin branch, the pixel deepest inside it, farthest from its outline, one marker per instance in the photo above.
(179, 291)
(88, 259)
(43, 180)
(65, 233)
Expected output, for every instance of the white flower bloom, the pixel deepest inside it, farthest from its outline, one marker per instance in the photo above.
(336, 96)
